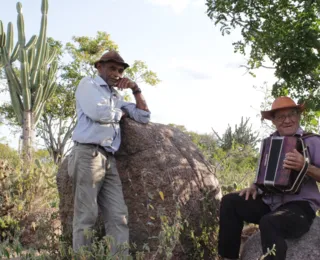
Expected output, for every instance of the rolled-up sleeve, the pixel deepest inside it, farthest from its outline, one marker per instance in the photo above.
(94, 105)
(135, 113)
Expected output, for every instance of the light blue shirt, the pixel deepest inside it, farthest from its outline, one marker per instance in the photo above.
(99, 110)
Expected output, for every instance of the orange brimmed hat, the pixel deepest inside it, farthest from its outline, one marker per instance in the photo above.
(278, 104)
(112, 56)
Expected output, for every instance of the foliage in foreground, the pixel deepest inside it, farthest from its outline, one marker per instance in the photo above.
(29, 217)
(35, 200)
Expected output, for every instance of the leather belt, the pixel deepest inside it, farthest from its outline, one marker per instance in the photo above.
(97, 146)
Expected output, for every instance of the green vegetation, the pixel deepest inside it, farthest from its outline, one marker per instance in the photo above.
(234, 155)
(41, 101)
(32, 85)
(29, 214)
(28, 201)
(283, 32)
(281, 35)
(58, 119)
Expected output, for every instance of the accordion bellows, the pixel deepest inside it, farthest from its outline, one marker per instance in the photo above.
(271, 176)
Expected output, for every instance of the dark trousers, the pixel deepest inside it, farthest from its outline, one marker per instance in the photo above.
(291, 220)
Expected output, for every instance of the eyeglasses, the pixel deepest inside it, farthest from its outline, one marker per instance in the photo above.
(292, 115)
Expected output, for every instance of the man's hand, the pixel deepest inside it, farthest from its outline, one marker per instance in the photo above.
(252, 190)
(293, 160)
(125, 83)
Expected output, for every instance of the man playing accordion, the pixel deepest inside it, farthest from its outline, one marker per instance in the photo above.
(279, 215)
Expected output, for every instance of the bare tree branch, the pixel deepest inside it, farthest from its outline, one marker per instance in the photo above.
(263, 66)
(216, 133)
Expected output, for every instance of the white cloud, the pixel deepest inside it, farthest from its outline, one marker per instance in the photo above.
(198, 3)
(217, 96)
(178, 6)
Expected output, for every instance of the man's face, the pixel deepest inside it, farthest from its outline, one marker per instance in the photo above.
(111, 72)
(287, 121)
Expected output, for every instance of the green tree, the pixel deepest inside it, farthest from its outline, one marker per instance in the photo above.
(236, 158)
(233, 156)
(206, 143)
(33, 83)
(284, 32)
(59, 118)
(242, 135)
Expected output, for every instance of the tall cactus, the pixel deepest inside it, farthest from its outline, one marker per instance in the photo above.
(33, 83)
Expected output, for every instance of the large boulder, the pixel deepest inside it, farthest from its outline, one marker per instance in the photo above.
(163, 174)
(306, 247)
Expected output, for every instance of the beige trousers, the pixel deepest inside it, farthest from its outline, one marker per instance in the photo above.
(96, 184)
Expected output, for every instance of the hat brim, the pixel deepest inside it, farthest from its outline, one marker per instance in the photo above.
(125, 65)
(269, 114)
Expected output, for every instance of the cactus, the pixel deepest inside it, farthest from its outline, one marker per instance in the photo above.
(36, 81)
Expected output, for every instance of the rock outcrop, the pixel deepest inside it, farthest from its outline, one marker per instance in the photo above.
(306, 247)
(163, 173)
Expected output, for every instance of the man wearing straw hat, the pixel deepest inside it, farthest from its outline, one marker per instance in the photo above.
(91, 164)
(279, 216)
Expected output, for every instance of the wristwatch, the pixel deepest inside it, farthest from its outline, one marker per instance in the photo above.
(136, 90)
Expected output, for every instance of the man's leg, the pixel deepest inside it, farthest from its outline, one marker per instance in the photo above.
(291, 220)
(234, 210)
(114, 209)
(86, 167)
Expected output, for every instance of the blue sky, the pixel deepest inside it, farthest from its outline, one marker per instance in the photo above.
(202, 86)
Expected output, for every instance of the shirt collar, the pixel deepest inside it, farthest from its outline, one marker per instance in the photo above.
(100, 81)
(299, 132)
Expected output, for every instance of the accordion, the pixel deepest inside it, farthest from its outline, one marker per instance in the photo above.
(271, 176)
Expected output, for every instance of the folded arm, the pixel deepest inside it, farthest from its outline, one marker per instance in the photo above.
(134, 112)
(140, 100)
(139, 111)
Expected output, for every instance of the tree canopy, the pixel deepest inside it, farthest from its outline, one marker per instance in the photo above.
(285, 32)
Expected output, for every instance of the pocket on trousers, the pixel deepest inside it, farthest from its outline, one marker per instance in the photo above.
(90, 167)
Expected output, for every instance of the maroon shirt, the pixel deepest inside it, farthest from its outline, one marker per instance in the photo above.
(309, 190)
